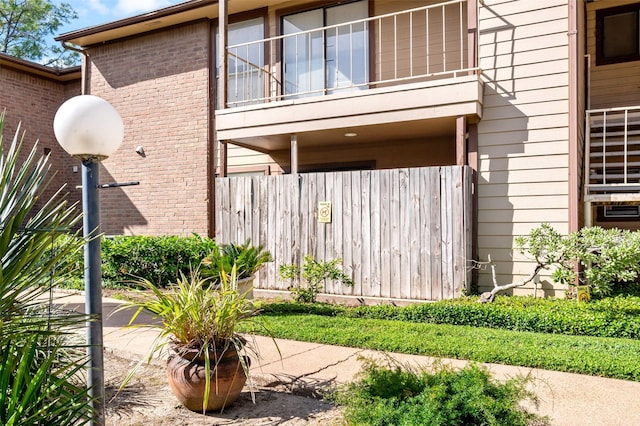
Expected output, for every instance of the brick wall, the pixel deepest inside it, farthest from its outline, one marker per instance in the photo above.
(32, 101)
(71, 171)
(159, 84)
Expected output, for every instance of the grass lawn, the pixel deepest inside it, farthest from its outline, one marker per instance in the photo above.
(599, 356)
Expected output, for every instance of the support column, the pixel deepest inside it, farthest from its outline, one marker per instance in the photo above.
(588, 214)
(472, 161)
(472, 33)
(461, 141)
(223, 43)
(223, 158)
(472, 146)
(294, 154)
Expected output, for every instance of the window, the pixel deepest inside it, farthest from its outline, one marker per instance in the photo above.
(617, 34)
(326, 61)
(618, 213)
(622, 211)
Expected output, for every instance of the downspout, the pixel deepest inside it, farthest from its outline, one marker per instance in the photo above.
(84, 80)
(211, 134)
(573, 118)
(473, 14)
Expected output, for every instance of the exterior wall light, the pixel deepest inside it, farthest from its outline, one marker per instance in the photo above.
(89, 128)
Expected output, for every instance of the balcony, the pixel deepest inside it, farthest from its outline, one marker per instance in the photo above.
(404, 74)
(612, 156)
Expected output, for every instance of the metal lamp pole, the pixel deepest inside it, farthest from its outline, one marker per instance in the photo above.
(89, 128)
(93, 285)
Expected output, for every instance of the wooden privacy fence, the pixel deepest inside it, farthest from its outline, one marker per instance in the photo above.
(402, 233)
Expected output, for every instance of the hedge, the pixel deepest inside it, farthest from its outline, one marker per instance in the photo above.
(610, 317)
(160, 259)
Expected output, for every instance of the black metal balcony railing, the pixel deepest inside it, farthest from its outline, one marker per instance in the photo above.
(410, 45)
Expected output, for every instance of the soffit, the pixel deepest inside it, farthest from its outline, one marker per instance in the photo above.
(388, 132)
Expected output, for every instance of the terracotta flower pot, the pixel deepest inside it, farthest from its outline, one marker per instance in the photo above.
(186, 376)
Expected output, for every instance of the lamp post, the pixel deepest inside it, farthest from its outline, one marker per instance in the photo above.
(89, 128)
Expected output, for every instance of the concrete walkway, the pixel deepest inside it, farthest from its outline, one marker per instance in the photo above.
(568, 399)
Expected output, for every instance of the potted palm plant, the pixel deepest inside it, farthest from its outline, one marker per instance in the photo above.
(247, 258)
(208, 362)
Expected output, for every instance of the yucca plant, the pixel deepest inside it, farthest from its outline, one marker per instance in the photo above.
(39, 380)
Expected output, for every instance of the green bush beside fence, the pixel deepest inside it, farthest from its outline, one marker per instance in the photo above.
(157, 259)
(610, 317)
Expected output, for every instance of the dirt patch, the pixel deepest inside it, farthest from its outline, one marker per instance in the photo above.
(147, 400)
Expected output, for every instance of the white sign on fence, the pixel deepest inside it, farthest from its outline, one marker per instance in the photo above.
(324, 212)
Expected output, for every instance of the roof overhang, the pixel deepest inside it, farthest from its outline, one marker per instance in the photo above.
(57, 74)
(162, 18)
(181, 13)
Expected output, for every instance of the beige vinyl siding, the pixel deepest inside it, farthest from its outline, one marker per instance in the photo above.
(611, 85)
(524, 176)
(240, 157)
(551, 107)
(386, 155)
(504, 202)
(530, 216)
(523, 134)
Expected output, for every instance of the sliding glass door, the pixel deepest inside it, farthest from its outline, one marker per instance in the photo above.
(303, 53)
(323, 61)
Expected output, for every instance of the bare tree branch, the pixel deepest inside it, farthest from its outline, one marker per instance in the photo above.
(489, 296)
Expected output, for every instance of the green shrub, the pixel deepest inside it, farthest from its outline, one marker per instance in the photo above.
(385, 395)
(246, 258)
(608, 257)
(610, 317)
(158, 259)
(72, 263)
(162, 259)
(614, 317)
(39, 381)
(308, 280)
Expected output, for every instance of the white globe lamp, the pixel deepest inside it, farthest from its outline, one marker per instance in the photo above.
(88, 127)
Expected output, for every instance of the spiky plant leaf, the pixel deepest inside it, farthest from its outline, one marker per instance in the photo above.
(39, 369)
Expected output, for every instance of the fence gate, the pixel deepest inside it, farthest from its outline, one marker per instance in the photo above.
(402, 233)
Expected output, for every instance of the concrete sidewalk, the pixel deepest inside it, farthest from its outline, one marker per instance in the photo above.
(568, 399)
